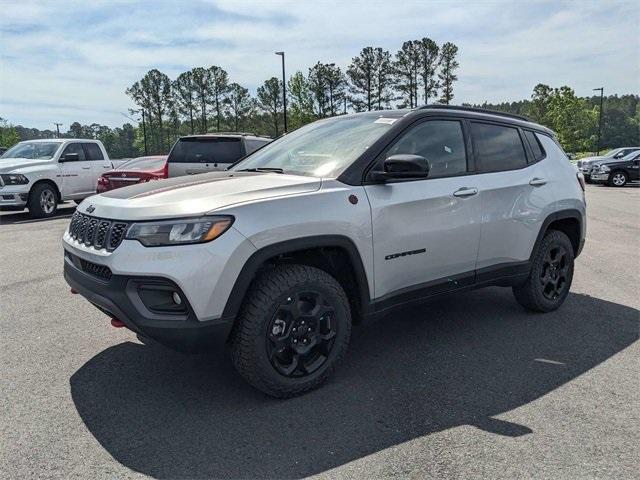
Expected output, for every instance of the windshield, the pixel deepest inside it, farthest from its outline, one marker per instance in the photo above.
(321, 149)
(33, 150)
(206, 150)
(611, 153)
(143, 163)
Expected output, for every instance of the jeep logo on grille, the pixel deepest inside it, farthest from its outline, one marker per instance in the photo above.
(90, 209)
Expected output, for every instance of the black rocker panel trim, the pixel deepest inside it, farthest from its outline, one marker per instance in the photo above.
(257, 260)
(504, 275)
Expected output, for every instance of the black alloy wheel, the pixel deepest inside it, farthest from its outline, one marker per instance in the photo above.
(301, 334)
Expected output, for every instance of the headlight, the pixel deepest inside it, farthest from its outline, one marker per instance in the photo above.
(14, 179)
(604, 169)
(179, 232)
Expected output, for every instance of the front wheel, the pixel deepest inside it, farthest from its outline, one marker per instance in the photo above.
(293, 330)
(551, 274)
(43, 201)
(618, 179)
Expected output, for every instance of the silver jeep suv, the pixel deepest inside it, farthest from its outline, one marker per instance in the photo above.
(334, 223)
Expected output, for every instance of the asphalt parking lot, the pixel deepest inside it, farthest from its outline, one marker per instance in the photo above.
(466, 386)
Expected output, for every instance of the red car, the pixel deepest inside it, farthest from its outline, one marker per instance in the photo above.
(138, 170)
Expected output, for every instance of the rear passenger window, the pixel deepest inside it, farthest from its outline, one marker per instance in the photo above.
(441, 142)
(93, 151)
(534, 143)
(75, 148)
(498, 147)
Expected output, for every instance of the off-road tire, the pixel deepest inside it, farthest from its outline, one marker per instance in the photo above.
(36, 210)
(531, 293)
(248, 340)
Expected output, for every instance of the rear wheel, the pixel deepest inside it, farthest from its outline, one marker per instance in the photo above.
(43, 201)
(293, 330)
(618, 179)
(548, 284)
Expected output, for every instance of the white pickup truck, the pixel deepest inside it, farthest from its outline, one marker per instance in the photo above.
(40, 174)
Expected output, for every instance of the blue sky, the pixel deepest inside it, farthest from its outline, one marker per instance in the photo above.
(72, 61)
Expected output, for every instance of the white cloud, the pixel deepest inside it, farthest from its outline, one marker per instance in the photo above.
(73, 61)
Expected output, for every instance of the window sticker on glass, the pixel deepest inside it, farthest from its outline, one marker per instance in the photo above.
(387, 121)
(447, 149)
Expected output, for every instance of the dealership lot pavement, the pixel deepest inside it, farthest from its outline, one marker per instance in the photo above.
(465, 386)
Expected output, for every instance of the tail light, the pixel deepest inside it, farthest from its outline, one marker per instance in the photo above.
(103, 181)
(580, 177)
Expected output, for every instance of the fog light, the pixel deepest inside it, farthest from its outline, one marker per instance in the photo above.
(176, 298)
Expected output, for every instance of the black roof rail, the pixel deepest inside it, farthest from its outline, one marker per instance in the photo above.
(475, 109)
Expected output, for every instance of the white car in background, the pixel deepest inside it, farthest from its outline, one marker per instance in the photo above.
(40, 174)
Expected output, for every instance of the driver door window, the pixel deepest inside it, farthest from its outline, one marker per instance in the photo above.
(441, 142)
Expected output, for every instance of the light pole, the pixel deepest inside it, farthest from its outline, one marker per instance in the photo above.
(601, 89)
(58, 125)
(284, 91)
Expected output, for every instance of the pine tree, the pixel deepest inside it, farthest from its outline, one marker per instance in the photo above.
(429, 61)
(448, 65)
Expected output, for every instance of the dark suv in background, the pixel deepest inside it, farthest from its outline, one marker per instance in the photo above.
(617, 173)
(210, 152)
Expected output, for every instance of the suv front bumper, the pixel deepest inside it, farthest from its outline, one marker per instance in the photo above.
(135, 285)
(122, 297)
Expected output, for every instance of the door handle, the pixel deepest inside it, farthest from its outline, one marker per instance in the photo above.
(86, 168)
(106, 166)
(537, 182)
(465, 192)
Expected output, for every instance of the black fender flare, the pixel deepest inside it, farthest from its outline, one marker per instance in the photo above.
(258, 258)
(553, 217)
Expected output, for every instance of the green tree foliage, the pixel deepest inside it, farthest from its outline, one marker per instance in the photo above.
(429, 63)
(300, 108)
(8, 134)
(319, 88)
(218, 88)
(370, 78)
(447, 76)
(270, 101)
(201, 83)
(184, 94)
(238, 105)
(406, 67)
(153, 94)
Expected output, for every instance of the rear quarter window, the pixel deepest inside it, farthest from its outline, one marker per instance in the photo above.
(206, 150)
(534, 143)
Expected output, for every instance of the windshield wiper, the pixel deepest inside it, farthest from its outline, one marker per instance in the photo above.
(261, 169)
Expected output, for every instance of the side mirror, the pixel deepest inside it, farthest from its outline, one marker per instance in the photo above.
(619, 155)
(70, 157)
(402, 166)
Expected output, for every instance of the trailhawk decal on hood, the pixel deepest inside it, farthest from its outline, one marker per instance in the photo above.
(196, 195)
(146, 189)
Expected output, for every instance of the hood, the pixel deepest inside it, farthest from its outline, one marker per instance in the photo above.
(591, 159)
(8, 165)
(194, 195)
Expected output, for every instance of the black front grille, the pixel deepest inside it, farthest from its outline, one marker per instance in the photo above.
(97, 232)
(100, 271)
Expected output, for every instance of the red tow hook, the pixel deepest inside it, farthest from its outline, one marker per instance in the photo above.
(74, 291)
(117, 323)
